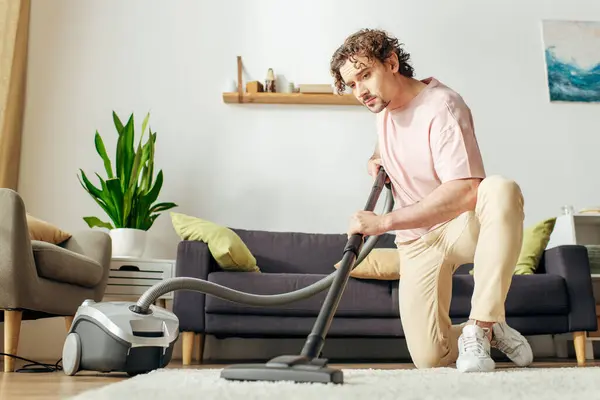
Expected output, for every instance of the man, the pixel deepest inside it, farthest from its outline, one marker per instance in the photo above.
(448, 212)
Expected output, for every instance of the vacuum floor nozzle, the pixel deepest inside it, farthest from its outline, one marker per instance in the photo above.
(297, 369)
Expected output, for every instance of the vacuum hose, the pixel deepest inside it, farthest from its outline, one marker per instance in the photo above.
(223, 292)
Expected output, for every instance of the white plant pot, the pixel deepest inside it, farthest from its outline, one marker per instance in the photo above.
(128, 242)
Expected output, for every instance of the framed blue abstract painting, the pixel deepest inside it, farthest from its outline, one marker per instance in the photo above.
(572, 55)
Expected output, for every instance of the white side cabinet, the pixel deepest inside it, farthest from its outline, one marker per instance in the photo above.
(131, 277)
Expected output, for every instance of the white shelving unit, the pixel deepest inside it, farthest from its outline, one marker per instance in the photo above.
(576, 229)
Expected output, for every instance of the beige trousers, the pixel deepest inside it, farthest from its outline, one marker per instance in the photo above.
(491, 238)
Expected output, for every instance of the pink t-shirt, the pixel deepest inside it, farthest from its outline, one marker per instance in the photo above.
(428, 142)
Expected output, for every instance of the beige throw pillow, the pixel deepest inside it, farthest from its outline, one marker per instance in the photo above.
(380, 264)
(45, 231)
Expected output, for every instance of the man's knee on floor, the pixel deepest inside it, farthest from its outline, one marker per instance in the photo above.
(430, 359)
(504, 193)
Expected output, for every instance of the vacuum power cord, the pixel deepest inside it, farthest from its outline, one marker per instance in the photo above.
(223, 292)
(41, 367)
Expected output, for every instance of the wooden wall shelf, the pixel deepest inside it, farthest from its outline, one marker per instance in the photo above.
(291, 98)
(243, 97)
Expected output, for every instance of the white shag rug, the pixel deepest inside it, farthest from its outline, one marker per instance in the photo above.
(363, 384)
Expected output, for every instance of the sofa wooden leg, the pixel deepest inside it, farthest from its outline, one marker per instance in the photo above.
(12, 329)
(199, 346)
(187, 347)
(579, 339)
(69, 322)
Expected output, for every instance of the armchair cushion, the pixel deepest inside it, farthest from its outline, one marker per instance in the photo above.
(45, 231)
(62, 265)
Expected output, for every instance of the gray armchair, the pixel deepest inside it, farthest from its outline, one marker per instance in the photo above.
(40, 279)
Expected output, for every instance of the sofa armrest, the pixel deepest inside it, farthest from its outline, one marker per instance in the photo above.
(95, 244)
(17, 265)
(572, 263)
(194, 260)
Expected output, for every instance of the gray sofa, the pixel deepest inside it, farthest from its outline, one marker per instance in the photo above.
(557, 299)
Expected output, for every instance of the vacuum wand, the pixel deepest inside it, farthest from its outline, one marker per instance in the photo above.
(316, 339)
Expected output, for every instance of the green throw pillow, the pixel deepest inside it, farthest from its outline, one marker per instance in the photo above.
(535, 240)
(227, 248)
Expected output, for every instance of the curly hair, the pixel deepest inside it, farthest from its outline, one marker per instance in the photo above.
(372, 44)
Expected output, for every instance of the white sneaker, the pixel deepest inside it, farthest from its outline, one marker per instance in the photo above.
(474, 351)
(512, 343)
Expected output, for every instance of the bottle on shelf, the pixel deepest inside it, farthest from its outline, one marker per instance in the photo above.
(270, 81)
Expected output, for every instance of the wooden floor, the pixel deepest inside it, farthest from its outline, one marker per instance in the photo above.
(57, 385)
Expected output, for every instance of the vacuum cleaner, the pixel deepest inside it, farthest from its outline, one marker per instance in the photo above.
(139, 337)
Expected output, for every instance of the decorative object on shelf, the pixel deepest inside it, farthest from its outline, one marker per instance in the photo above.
(568, 209)
(270, 82)
(129, 193)
(315, 88)
(254, 87)
(241, 97)
(572, 56)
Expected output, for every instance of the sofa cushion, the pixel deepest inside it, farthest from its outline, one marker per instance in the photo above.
(381, 264)
(58, 264)
(535, 240)
(229, 251)
(361, 298)
(539, 294)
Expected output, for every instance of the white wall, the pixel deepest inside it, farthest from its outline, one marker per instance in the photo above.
(174, 59)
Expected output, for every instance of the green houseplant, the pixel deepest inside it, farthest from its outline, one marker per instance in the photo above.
(128, 195)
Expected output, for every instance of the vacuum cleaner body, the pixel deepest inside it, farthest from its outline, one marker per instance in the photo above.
(110, 337)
